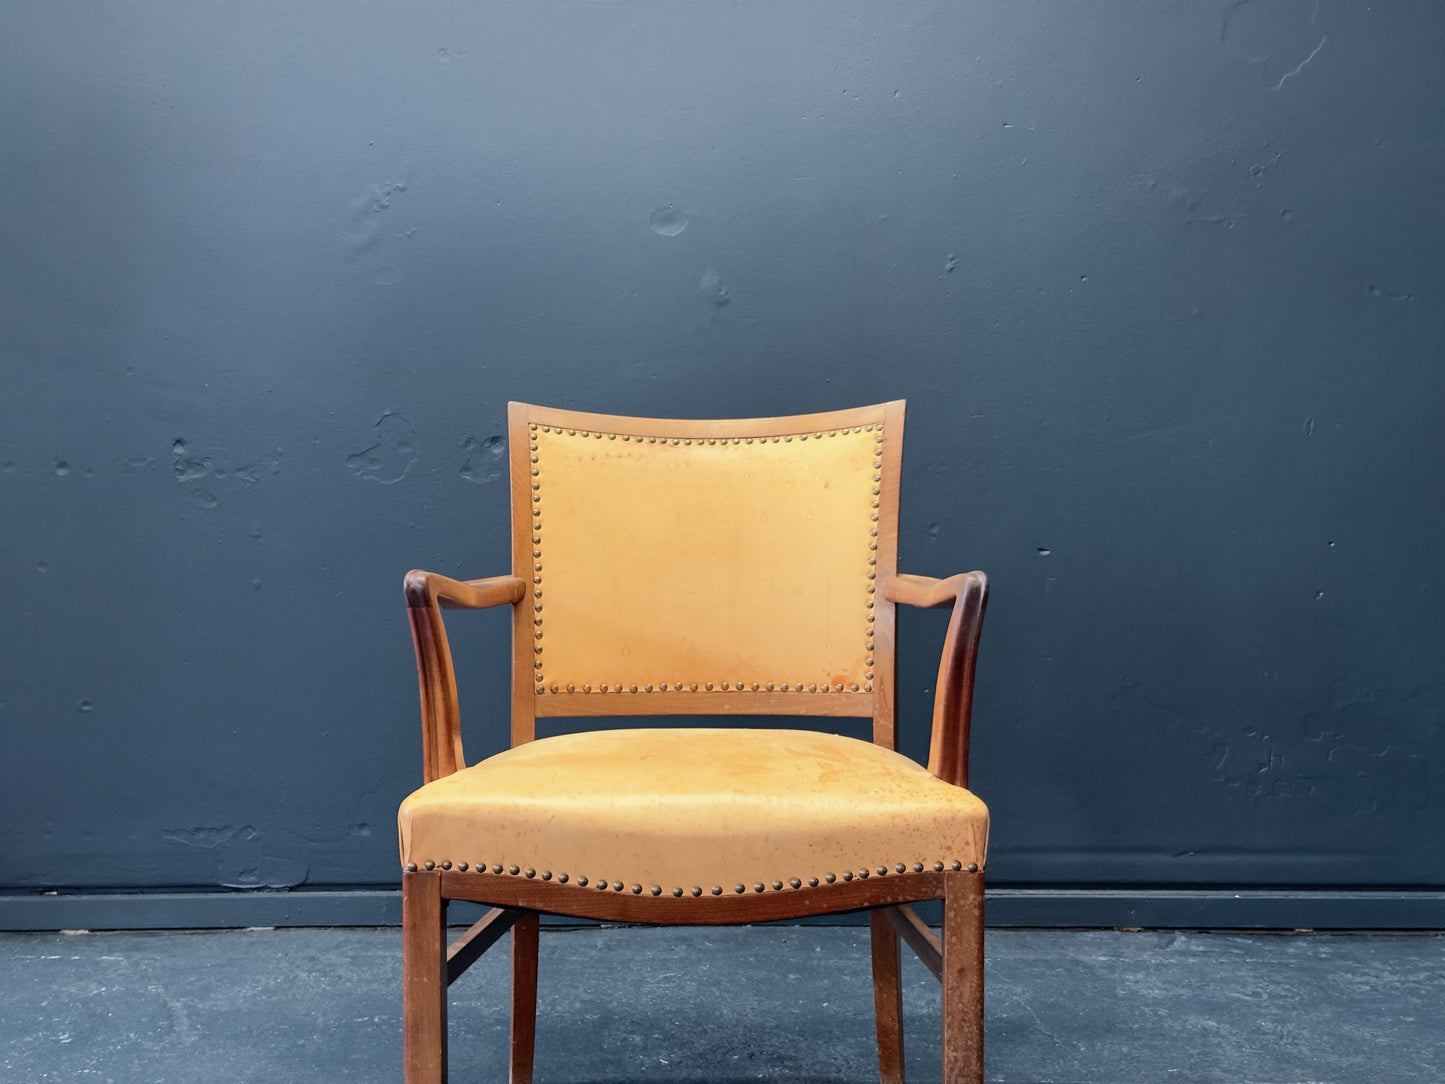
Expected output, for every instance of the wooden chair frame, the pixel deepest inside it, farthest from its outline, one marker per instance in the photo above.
(956, 959)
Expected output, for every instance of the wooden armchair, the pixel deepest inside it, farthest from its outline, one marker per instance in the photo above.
(711, 568)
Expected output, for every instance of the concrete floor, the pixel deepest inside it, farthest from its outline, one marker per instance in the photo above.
(725, 1006)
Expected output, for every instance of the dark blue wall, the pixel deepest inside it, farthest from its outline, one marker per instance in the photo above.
(1162, 283)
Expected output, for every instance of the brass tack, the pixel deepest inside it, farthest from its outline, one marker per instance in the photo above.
(691, 688)
(601, 886)
(875, 489)
(533, 427)
(411, 867)
(514, 870)
(529, 872)
(863, 873)
(611, 436)
(869, 603)
(775, 440)
(617, 886)
(677, 892)
(708, 687)
(735, 440)
(758, 887)
(697, 890)
(546, 429)
(717, 890)
(656, 890)
(770, 686)
(536, 620)
(866, 429)
(497, 868)
(648, 687)
(685, 442)
(872, 576)
(573, 433)
(596, 436)
(837, 688)
(626, 436)
(874, 517)
(957, 865)
(637, 890)
(461, 867)
(446, 863)
(554, 688)
(561, 878)
(536, 498)
(918, 867)
(812, 882)
(755, 686)
(749, 440)
(873, 505)
(651, 440)
(812, 688)
(546, 875)
(536, 579)
(739, 889)
(713, 440)
(633, 688)
(796, 883)
(853, 687)
(724, 686)
(900, 867)
(537, 568)
(430, 864)
(581, 882)
(777, 886)
(832, 432)
(674, 440)
(787, 439)
(883, 871)
(536, 607)
(830, 877)
(803, 436)
(847, 875)
(585, 688)
(678, 687)
(571, 688)
(868, 688)
(973, 867)
(798, 686)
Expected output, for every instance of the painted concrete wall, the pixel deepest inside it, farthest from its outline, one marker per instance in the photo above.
(1160, 281)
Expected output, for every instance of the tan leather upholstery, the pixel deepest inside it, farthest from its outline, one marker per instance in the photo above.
(716, 563)
(679, 808)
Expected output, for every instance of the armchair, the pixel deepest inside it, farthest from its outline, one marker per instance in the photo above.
(716, 568)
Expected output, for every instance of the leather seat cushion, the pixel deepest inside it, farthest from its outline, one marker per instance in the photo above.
(686, 807)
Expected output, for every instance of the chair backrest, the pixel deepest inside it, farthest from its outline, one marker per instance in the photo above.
(704, 567)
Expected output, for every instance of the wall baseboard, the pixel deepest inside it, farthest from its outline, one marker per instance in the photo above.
(1340, 909)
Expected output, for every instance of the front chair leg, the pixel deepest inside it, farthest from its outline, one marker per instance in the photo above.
(887, 998)
(423, 978)
(524, 997)
(963, 978)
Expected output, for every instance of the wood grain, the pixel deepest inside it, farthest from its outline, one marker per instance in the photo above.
(423, 969)
(887, 997)
(963, 979)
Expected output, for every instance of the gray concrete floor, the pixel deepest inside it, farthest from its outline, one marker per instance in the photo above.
(725, 1005)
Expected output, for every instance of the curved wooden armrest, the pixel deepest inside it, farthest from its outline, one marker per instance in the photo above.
(953, 697)
(427, 594)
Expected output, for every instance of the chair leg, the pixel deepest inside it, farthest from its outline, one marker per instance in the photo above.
(524, 997)
(887, 998)
(963, 978)
(423, 978)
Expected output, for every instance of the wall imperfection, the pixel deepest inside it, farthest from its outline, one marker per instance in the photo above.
(950, 264)
(668, 221)
(1375, 291)
(62, 468)
(1281, 36)
(1044, 551)
(712, 287)
(484, 459)
(86, 705)
(391, 455)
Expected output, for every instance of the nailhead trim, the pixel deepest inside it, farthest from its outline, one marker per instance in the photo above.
(542, 688)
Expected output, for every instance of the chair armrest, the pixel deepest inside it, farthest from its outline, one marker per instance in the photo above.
(427, 594)
(953, 697)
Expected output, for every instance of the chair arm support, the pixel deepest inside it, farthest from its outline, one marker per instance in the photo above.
(427, 594)
(953, 697)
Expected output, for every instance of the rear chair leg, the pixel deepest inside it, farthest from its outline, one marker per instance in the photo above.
(963, 978)
(524, 997)
(423, 978)
(887, 998)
